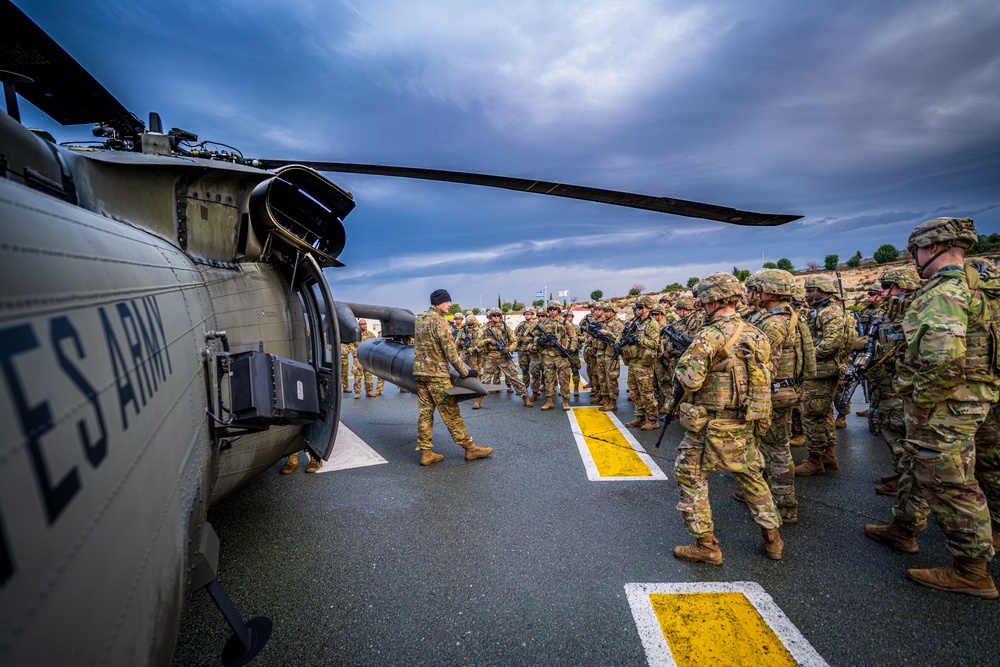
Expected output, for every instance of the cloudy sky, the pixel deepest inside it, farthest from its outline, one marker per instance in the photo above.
(864, 117)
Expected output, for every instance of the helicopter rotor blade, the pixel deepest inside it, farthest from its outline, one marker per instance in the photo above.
(683, 207)
(60, 86)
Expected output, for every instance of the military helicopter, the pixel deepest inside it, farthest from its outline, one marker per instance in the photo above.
(166, 334)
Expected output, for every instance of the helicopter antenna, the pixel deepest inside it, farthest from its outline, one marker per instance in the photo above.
(10, 79)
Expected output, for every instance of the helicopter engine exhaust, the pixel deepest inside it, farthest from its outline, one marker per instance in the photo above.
(393, 362)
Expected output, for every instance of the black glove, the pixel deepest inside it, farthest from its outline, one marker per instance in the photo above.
(473, 373)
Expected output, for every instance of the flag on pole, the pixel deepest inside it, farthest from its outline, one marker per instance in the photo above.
(564, 292)
(540, 294)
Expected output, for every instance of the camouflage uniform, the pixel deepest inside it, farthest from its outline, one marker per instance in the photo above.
(434, 350)
(792, 360)
(523, 337)
(575, 343)
(535, 357)
(948, 386)
(725, 373)
(497, 362)
(555, 366)
(640, 357)
(609, 363)
(469, 343)
(687, 325)
(830, 327)
(587, 347)
(346, 352)
(362, 376)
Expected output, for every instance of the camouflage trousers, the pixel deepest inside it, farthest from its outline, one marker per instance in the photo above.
(574, 368)
(691, 472)
(817, 413)
(363, 376)
(472, 360)
(938, 476)
(588, 359)
(641, 382)
(524, 361)
(555, 368)
(610, 370)
(431, 396)
(345, 380)
(537, 376)
(892, 424)
(988, 462)
(663, 374)
(780, 468)
(500, 364)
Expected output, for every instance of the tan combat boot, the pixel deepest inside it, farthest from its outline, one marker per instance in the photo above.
(290, 465)
(347, 390)
(888, 489)
(652, 423)
(862, 413)
(565, 405)
(638, 421)
(549, 403)
(586, 385)
(527, 401)
(357, 394)
(595, 399)
(609, 406)
(798, 440)
(535, 396)
(895, 536)
(811, 466)
(478, 404)
(314, 464)
(705, 550)
(885, 479)
(966, 575)
(773, 544)
(576, 388)
(473, 452)
(829, 459)
(427, 457)
(840, 421)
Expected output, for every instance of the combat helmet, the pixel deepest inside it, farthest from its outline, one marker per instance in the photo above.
(959, 232)
(719, 287)
(471, 319)
(903, 277)
(684, 302)
(642, 302)
(528, 310)
(493, 311)
(823, 283)
(773, 281)
(553, 304)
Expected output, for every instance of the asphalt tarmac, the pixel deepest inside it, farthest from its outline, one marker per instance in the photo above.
(518, 559)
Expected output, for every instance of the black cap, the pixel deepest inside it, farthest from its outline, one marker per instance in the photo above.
(439, 296)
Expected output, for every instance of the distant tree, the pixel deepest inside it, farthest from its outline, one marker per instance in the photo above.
(476, 311)
(517, 305)
(693, 280)
(454, 308)
(769, 265)
(551, 298)
(886, 253)
(636, 289)
(855, 261)
(673, 287)
(499, 303)
(596, 295)
(538, 302)
(506, 307)
(741, 274)
(831, 262)
(785, 264)
(986, 243)
(812, 265)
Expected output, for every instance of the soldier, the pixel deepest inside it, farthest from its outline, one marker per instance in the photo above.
(643, 349)
(829, 326)
(468, 343)
(523, 343)
(574, 351)
(457, 322)
(433, 351)
(798, 434)
(587, 345)
(872, 310)
(726, 396)
(537, 376)
(596, 347)
(346, 352)
(499, 344)
(555, 365)
(886, 406)
(948, 379)
(792, 361)
(360, 374)
(611, 328)
(292, 464)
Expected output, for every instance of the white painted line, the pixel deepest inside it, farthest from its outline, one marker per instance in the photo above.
(350, 451)
(588, 461)
(658, 651)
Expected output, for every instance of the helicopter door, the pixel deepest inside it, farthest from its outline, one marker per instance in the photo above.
(324, 342)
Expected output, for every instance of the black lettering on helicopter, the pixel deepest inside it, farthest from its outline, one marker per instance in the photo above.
(62, 329)
(35, 420)
(146, 346)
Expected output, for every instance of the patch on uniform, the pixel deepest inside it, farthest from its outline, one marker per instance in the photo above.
(609, 452)
(724, 623)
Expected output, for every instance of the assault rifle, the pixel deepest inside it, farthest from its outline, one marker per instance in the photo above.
(501, 345)
(594, 329)
(628, 337)
(857, 367)
(679, 340)
(549, 340)
(674, 407)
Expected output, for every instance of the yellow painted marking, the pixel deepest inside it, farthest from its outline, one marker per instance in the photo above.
(717, 629)
(612, 452)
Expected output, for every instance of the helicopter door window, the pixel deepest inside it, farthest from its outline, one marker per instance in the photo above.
(323, 330)
(307, 328)
(317, 325)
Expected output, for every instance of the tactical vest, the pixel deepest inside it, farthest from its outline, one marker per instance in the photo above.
(738, 378)
(983, 333)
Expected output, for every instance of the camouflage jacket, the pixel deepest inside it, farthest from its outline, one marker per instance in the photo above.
(523, 335)
(365, 335)
(688, 325)
(792, 353)
(938, 324)
(830, 325)
(488, 343)
(739, 380)
(614, 327)
(434, 348)
(648, 348)
(555, 327)
(574, 334)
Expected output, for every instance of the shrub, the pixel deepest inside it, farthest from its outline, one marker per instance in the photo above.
(886, 253)
(831, 262)
(596, 295)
